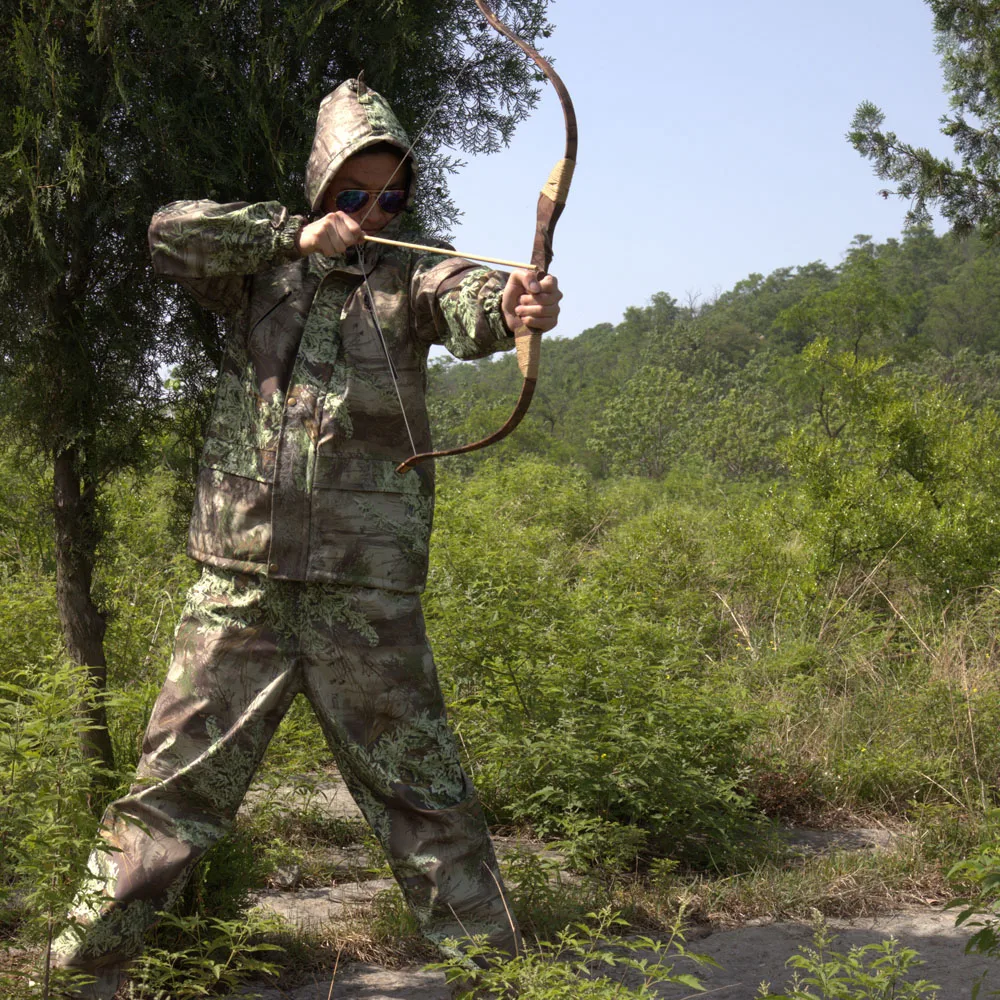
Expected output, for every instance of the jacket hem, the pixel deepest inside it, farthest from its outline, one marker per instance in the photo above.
(262, 569)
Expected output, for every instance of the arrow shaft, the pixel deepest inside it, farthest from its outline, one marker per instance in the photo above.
(449, 253)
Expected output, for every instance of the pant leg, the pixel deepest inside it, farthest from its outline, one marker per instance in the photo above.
(369, 672)
(230, 682)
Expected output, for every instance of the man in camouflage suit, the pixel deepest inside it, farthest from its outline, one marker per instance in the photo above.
(314, 549)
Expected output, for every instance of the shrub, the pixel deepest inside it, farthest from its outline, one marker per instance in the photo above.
(579, 693)
(878, 971)
(591, 959)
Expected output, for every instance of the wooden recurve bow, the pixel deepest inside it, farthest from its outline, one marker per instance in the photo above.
(550, 205)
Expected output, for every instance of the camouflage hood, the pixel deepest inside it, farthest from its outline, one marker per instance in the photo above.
(351, 118)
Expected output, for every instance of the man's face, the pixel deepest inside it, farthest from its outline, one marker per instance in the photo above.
(371, 172)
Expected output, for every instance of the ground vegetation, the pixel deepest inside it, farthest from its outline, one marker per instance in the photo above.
(744, 578)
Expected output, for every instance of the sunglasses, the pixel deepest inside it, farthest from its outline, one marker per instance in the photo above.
(391, 202)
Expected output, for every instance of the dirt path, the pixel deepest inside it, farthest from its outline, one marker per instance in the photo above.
(748, 956)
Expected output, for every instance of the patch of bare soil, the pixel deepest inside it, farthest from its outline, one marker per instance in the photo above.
(748, 955)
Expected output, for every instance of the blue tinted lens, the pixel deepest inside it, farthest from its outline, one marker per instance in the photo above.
(392, 202)
(351, 201)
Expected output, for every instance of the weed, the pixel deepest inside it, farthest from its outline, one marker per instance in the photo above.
(590, 959)
(877, 971)
(46, 825)
(392, 920)
(544, 898)
(206, 955)
(224, 879)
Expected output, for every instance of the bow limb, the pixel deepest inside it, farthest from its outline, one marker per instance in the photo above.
(551, 202)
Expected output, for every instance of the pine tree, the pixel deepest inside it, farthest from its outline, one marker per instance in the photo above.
(109, 110)
(967, 193)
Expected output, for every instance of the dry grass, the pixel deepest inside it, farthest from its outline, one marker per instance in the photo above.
(362, 935)
(842, 884)
(17, 965)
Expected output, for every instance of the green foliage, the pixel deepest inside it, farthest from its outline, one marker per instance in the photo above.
(750, 311)
(580, 699)
(142, 576)
(665, 420)
(44, 781)
(46, 825)
(982, 908)
(222, 883)
(543, 898)
(592, 959)
(966, 194)
(963, 314)
(296, 748)
(25, 525)
(208, 956)
(614, 779)
(647, 427)
(28, 611)
(890, 463)
(878, 971)
(860, 314)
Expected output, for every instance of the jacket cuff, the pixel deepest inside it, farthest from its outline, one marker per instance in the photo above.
(493, 310)
(286, 239)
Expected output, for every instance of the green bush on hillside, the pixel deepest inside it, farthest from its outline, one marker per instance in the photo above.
(573, 660)
(894, 467)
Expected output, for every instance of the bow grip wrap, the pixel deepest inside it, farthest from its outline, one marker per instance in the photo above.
(550, 205)
(529, 351)
(556, 188)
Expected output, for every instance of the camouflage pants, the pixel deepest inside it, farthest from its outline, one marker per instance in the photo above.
(245, 646)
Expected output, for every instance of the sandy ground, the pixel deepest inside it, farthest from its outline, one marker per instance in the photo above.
(748, 956)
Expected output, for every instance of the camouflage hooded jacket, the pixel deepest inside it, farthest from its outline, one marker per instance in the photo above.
(298, 473)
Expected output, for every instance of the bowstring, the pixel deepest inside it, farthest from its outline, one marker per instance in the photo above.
(413, 145)
(370, 302)
(369, 296)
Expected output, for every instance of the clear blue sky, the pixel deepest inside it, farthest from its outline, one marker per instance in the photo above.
(711, 143)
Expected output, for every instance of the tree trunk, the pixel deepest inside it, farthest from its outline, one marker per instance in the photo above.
(82, 623)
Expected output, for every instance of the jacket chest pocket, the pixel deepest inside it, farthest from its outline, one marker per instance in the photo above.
(364, 347)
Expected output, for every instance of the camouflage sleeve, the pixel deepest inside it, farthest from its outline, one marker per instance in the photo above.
(212, 248)
(457, 304)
